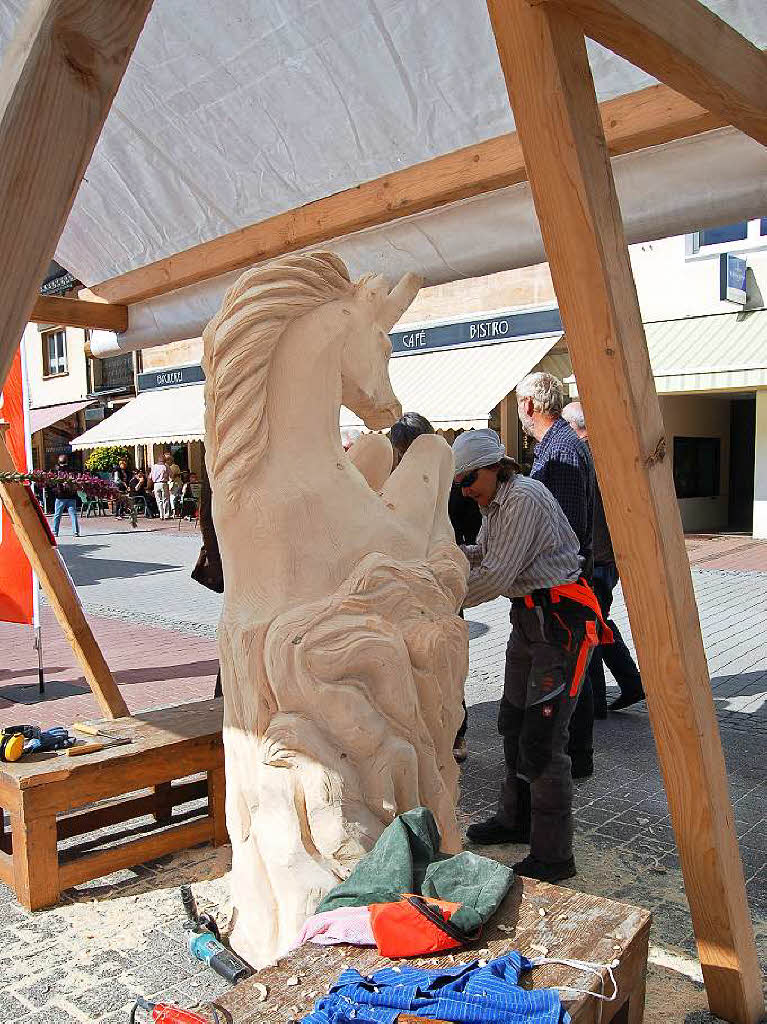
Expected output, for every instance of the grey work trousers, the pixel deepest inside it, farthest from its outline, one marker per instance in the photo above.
(546, 658)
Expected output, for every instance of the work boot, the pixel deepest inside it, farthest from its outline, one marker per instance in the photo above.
(460, 750)
(493, 831)
(545, 871)
(582, 767)
(627, 701)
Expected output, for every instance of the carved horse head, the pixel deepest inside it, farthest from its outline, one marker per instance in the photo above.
(241, 339)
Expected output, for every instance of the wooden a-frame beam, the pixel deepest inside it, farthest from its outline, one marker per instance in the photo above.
(58, 77)
(543, 55)
(687, 46)
(52, 309)
(60, 591)
(635, 121)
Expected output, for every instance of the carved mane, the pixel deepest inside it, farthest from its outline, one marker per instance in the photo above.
(238, 346)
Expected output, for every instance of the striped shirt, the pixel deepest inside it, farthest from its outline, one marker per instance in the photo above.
(525, 544)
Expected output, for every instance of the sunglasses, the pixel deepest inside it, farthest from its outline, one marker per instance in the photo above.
(469, 479)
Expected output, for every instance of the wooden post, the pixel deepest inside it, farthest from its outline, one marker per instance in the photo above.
(59, 75)
(547, 72)
(60, 591)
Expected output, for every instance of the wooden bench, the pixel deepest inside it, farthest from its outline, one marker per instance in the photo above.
(574, 925)
(51, 797)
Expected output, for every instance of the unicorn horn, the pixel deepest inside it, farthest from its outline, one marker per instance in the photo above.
(399, 298)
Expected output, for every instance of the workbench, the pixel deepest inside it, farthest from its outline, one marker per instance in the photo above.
(573, 925)
(52, 797)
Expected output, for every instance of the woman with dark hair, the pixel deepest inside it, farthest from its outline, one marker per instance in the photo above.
(464, 515)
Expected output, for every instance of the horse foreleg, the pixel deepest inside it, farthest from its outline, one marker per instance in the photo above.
(372, 455)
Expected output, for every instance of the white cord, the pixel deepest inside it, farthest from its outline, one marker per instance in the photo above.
(590, 968)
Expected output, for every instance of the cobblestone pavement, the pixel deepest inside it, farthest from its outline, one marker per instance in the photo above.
(116, 937)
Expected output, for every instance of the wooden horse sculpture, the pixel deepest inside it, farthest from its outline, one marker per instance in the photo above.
(342, 654)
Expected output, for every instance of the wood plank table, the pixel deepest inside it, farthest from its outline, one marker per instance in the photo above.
(51, 797)
(573, 925)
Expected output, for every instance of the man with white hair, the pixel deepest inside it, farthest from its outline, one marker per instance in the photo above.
(527, 551)
(563, 463)
(616, 655)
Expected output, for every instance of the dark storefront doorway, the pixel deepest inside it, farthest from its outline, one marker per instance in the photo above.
(742, 456)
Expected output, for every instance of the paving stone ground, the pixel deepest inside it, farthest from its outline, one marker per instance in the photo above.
(117, 937)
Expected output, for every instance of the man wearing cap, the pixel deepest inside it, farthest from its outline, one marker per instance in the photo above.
(527, 551)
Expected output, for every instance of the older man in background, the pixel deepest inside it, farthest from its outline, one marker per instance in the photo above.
(563, 463)
(616, 655)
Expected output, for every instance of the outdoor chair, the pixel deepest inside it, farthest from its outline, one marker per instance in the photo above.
(92, 506)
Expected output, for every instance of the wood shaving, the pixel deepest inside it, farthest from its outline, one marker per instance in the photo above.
(262, 991)
(292, 982)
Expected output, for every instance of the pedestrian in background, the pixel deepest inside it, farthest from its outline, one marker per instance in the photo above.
(465, 519)
(563, 463)
(528, 552)
(616, 655)
(66, 498)
(159, 478)
(175, 482)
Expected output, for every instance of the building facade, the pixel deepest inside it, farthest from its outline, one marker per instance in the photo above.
(463, 347)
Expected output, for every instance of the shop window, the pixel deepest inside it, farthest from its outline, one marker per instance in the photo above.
(696, 467)
(55, 353)
(763, 225)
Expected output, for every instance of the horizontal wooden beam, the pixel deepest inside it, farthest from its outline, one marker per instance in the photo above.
(102, 316)
(687, 46)
(645, 118)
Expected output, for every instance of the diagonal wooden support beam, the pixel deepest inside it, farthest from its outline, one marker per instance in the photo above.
(51, 309)
(685, 45)
(59, 589)
(58, 78)
(543, 55)
(648, 117)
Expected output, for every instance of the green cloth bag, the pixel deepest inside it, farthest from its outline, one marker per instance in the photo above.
(406, 858)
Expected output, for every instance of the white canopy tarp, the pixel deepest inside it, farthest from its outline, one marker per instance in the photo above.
(232, 111)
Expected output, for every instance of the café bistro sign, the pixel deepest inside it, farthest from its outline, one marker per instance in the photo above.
(410, 341)
(503, 327)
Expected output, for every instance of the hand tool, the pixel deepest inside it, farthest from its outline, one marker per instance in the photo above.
(91, 748)
(165, 1013)
(205, 943)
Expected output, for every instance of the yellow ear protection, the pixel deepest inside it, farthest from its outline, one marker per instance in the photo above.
(12, 739)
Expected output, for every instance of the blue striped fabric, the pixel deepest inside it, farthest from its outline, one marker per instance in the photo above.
(466, 994)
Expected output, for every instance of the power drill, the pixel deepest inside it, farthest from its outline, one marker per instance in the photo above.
(205, 944)
(164, 1013)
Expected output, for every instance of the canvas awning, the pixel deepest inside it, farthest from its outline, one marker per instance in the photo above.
(722, 352)
(47, 415)
(455, 388)
(162, 416)
(459, 388)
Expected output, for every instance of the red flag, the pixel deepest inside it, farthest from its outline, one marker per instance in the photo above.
(16, 580)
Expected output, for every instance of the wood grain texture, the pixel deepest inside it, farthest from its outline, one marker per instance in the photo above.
(58, 78)
(544, 59)
(60, 591)
(35, 858)
(104, 862)
(53, 309)
(687, 46)
(648, 117)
